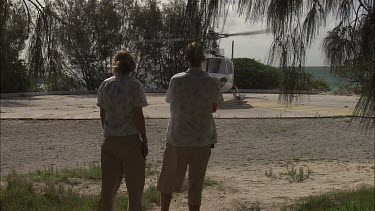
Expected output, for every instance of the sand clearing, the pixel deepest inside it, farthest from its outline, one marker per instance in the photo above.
(340, 156)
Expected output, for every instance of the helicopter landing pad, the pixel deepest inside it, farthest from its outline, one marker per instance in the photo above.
(253, 106)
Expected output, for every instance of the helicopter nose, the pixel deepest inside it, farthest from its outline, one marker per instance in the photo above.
(223, 81)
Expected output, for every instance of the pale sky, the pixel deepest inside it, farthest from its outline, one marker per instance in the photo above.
(257, 46)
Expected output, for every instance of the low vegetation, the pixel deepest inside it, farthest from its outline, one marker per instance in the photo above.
(294, 175)
(361, 199)
(20, 194)
(65, 175)
(52, 189)
(291, 174)
(350, 200)
(252, 74)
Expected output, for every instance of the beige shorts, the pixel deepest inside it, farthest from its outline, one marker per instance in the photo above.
(175, 163)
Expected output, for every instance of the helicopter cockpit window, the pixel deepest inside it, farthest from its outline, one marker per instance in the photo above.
(215, 65)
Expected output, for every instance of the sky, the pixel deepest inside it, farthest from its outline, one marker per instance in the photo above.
(257, 46)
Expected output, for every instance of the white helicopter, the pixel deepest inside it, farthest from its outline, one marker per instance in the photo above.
(215, 62)
(220, 66)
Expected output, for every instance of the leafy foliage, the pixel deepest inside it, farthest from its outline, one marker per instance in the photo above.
(251, 74)
(14, 76)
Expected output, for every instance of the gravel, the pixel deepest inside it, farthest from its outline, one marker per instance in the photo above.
(35, 144)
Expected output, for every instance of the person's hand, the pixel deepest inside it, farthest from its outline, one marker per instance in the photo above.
(144, 149)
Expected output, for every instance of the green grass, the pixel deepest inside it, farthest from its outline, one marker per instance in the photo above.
(291, 174)
(353, 200)
(150, 169)
(296, 176)
(66, 175)
(151, 197)
(70, 175)
(20, 194)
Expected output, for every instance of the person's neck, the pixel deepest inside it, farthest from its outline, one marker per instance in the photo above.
(121, 75)
(194, 66)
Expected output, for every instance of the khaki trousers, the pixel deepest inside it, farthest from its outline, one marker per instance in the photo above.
(122, 156)
(175, 164)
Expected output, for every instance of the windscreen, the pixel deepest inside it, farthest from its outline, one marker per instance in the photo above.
(215, 65)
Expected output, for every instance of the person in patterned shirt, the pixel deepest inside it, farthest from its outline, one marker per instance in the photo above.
(125, 148)
(193, 96)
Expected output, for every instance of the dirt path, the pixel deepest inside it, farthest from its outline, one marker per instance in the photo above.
(339, 155)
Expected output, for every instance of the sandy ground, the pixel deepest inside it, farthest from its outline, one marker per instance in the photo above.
(339, 154)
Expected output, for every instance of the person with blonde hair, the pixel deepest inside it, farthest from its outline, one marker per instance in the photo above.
(125, 148)
(193, 96)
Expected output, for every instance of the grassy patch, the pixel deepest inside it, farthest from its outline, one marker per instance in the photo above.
(291, 174)
(70, 175)
(150, 169)
(295, 175)
(151, 197)
(20, 192)
(20, 195)
(66, 175)
(353, 200)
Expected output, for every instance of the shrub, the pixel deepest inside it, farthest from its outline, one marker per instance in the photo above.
(320, 85)
(14, 78)
(251, 74)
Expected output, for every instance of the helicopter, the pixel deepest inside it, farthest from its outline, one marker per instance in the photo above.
(215, 63)
(218, 65)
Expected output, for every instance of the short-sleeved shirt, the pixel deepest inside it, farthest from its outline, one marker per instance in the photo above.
(118, 96)
(191, 95)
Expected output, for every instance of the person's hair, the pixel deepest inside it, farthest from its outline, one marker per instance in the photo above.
(123, 63)
(194, 53)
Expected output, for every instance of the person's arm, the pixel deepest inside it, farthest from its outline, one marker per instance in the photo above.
(214, 107)
(217, 97)
(140, 124)
(169, 95)
(102, 116)
(100, 104)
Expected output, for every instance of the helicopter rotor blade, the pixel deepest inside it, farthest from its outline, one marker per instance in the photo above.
(265, 31)
(170, 40)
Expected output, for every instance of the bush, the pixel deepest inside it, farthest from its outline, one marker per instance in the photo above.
(251, 74)
(320, 85)
(14, 78)
(62, 83)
